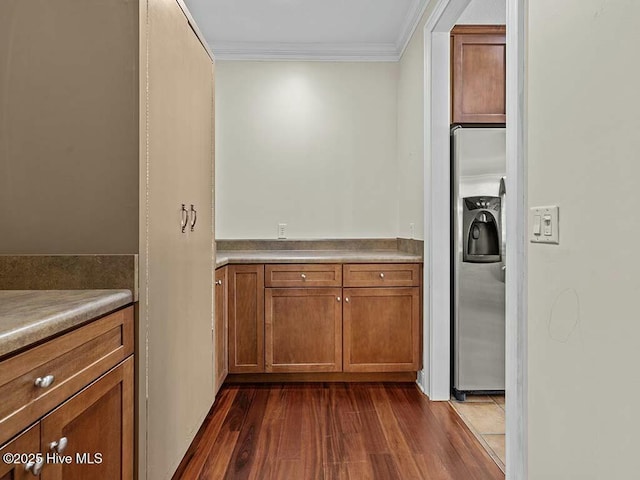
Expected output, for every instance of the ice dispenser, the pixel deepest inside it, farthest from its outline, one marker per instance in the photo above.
(481, 228)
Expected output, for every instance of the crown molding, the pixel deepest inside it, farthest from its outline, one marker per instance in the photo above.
(411, 22)
(326, 52)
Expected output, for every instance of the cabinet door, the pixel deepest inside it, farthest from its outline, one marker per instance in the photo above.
(97, 424)
(479, 74)
(27, 442)
(222, 329)
(246, 318)
(177, 305)
(381, 328)
(303, 329)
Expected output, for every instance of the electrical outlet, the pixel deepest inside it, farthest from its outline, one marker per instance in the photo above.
(282, 230)
(412, 230)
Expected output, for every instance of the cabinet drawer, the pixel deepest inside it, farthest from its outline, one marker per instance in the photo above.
(382, 275)
(74, 360)
(303, 275)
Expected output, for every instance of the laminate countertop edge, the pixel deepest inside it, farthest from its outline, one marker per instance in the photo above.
(28, 317)
(313, 256)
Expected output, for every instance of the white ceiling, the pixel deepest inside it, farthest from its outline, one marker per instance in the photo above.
(375, 30)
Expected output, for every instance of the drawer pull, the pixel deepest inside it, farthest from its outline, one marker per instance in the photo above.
(35, 467)
(44, 382)
(346, 299)
(303, 276)
(59, 446)
(338, 299)
(381, 275)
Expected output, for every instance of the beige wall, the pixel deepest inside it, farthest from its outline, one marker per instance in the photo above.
(68, 127)
(411, 127)
(583, 155)
(309, 144)
(410, 124)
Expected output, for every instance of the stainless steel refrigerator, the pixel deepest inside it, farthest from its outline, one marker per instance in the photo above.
(478, 256)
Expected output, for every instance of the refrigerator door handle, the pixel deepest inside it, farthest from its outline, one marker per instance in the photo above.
(503, 230)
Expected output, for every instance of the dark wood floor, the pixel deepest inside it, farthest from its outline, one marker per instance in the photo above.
(334, 431)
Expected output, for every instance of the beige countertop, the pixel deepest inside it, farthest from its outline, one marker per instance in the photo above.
(224, 257)
(29, 316)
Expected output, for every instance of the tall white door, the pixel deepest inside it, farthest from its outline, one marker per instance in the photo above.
(179, 269)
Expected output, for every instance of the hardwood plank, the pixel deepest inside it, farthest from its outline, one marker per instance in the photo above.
(269, 435)
(245, 451)
(336, 431)
(197, 454)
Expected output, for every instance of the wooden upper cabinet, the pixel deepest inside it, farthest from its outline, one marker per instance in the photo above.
(246, 318)
(222, 327)
(303, 329)
(478, 74)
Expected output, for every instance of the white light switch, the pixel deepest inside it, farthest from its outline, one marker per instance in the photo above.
(547, 226)
(536, 225)
(544, 225)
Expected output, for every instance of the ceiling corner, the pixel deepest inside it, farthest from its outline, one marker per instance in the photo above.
(411, 21)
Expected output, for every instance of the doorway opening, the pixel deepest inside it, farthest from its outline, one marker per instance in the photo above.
(435, 380)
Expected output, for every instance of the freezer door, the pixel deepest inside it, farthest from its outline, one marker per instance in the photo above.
(480, 328)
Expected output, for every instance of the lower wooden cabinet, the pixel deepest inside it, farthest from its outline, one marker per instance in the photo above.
(221, 327)
(28, 444)
(88, 436)
(246, 318)
(303, 330)
(371, 324)
(97, 427)
(79, 425)
(381, 328)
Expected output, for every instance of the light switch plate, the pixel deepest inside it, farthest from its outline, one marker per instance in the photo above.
(544, 225)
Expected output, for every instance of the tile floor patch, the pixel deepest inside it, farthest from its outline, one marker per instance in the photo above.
(485, 417)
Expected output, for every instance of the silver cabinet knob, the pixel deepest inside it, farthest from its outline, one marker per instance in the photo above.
(35, 467)
(346, 299)
(381, 275)
(303, 276)
(59, 446)
(338, 299)
(44, 382)
(218, 282)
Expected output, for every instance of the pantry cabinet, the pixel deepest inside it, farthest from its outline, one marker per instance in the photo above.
(478, 74)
